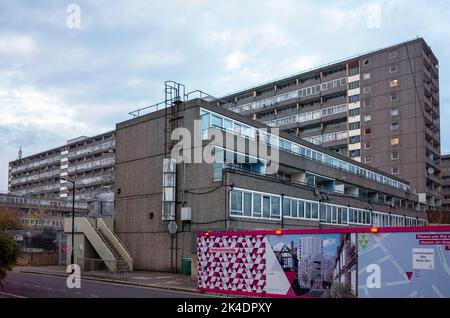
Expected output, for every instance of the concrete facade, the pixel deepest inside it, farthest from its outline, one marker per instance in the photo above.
(89, 161)
(140, 150)
(379, 108)
(445, 165)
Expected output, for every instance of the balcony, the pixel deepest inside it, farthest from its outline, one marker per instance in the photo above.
(427, 73)
(432, 163)
(428, 104)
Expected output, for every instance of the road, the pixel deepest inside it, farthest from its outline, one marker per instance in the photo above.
(17, 285)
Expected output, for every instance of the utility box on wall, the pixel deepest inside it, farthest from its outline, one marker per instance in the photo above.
(186, 214)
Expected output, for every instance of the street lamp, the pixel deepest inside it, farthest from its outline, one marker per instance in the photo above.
(72, 257)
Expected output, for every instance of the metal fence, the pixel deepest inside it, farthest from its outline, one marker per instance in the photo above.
(109, 269)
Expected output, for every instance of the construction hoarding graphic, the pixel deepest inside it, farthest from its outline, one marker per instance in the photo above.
(394, 262)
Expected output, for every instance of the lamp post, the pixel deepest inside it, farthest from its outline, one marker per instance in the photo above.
(72, 256)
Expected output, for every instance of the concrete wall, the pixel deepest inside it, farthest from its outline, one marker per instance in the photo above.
(138, 193)
(37, 259)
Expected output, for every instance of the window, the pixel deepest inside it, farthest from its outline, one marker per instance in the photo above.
(353, 126)
(354, 139)
(247, 204)
(353, 99)
(394, 112)
(368, 159)
(256, 205)
(354, 153)
(395, 170)
(275, 208)
(395, 141)
(353, 71)
(367, 131)
(353, 85)
(394, 126)
(367, 145)
(353, 112)
(395, 155)
(392, 55)
(366, 76)
(266, 206)
(393, 97)
(366, 90)
(367, 102)
(367, 117)
(393, 69)
(236, 202)
(366, 62)
(393, 83)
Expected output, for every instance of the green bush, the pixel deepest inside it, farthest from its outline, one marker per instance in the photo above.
(9, 252)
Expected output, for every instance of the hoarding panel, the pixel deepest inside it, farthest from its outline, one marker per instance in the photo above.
(327, 263)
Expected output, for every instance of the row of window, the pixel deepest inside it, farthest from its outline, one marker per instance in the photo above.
(252, 204)
(307, 116)
(211, 119)
(300, 93)
(320, 139)
(57, 223)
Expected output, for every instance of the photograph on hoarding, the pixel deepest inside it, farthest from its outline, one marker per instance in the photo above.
(314, 265)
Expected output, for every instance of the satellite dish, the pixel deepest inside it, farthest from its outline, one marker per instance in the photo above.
(430, 170)
(172, 227)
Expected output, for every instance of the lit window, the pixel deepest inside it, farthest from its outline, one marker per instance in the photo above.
(368, 159)
(367, 131)
(393, 69)
(395, 155)
(394, 126)
(395, 170)
(393, 83)
(394, 112)
(395, 141)
(366, 76)
(367, 117)
(366, 90)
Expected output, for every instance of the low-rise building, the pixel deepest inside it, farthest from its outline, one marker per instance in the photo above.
(160, 205)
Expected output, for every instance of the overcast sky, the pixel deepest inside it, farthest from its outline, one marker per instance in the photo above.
(57, 82)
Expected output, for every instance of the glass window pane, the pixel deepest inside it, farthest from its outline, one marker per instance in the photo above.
(266, 206)
(227, 124)
(256, 205)
(323, 212)
(286, 207)
(294, 206)
(236, 200)
(315, 211)
(275, 208)
(247, 204)
(308, 210)
(216, 121)
(301, 209)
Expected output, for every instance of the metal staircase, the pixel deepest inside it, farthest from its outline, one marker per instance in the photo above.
(122, 265)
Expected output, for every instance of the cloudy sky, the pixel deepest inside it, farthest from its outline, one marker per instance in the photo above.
(58, 82)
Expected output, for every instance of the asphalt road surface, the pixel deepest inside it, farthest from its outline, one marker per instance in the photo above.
(17, 285)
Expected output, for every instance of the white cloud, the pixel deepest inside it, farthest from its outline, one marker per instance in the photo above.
(17, 45)
(234, 60)
(329, 242)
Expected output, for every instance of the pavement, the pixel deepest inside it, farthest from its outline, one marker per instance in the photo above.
(161, 280)
(19, 284)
